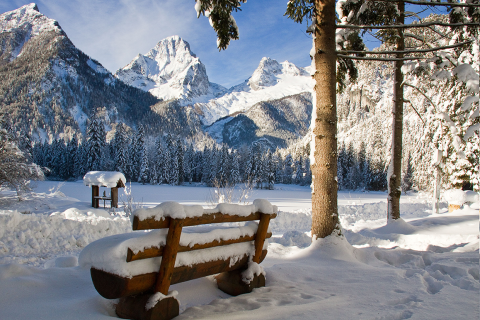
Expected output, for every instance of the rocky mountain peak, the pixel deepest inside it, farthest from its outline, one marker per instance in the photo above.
(265, 74)
(19, 26)
(173, 47)
(169, 71)
(268, 72)
(27, 17)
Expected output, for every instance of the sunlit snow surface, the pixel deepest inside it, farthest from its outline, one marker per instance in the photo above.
(422, 267)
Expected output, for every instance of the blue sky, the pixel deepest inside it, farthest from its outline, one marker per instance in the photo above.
(115, 31)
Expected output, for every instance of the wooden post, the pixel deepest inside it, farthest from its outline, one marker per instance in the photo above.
(95, 193)
(260, 237)
(169, 256)
(114, 196)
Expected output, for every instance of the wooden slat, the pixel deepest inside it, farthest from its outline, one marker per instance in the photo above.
(95, 193)
(260, 236)
(169, 255)
(157, 252)
(112, 286)
(151, 223)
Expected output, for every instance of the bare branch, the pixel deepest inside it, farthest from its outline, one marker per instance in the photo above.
(406, 51)
(427, 3)
(406, 26)
(411, 86)
(380, 59)
(418, 114)
(438, 32)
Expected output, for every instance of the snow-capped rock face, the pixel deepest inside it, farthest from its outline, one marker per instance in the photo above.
(21, 25)
(270, 81)
(276, 122)
(267, 72)
(49, 88)
(169, 71)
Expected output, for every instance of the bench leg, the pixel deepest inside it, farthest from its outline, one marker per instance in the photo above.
(231, 282)
(133, 307)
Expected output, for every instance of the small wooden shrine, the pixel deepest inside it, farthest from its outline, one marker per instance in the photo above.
(105, 179)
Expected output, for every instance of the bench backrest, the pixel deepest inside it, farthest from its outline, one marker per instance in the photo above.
(172, 246)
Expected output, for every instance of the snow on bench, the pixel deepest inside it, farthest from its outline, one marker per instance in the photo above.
(131, 266)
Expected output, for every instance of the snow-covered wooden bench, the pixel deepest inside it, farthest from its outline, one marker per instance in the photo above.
(139, 267)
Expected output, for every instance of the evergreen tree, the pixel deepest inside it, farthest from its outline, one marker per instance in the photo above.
(206, 160)
(180, 155)
(363, 166)
(172, 161)
(223, 166)
(235, 169)
(298, 173)
(79, 162)
(389, 18)
(277, 158)
(72, 147)
(307, 171)
(197, 166)
(407, 175)
(287, 169)
(214, 160)
(136, 156)
(341, 166)
(271, 166)
(189, 163)
(160, 161)
(120, 148)
(95, 145)
(143, 175)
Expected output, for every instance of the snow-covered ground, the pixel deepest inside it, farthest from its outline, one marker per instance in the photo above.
(422, 267)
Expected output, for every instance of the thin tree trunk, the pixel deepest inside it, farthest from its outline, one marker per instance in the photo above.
(324, 170)
(395, 169)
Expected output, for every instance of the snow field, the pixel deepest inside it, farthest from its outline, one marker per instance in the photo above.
(423, 266)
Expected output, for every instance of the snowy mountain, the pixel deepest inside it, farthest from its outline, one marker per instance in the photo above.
(49, 88)
(270, 81)
(276, 122)
(170, 71)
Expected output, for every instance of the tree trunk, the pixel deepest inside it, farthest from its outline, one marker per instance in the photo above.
(395, 169)
(324, 169)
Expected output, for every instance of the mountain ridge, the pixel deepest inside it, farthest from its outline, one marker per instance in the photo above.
(50, 88)
(271, 80)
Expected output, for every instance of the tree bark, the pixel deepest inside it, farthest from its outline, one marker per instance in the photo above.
(395, 169)
(324, 169)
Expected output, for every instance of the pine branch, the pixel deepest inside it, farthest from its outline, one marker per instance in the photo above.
(407, 26)
(438, 32)
(427, 3)
(418, 114)
(380, 59)
(412, 86)
(406, 51)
